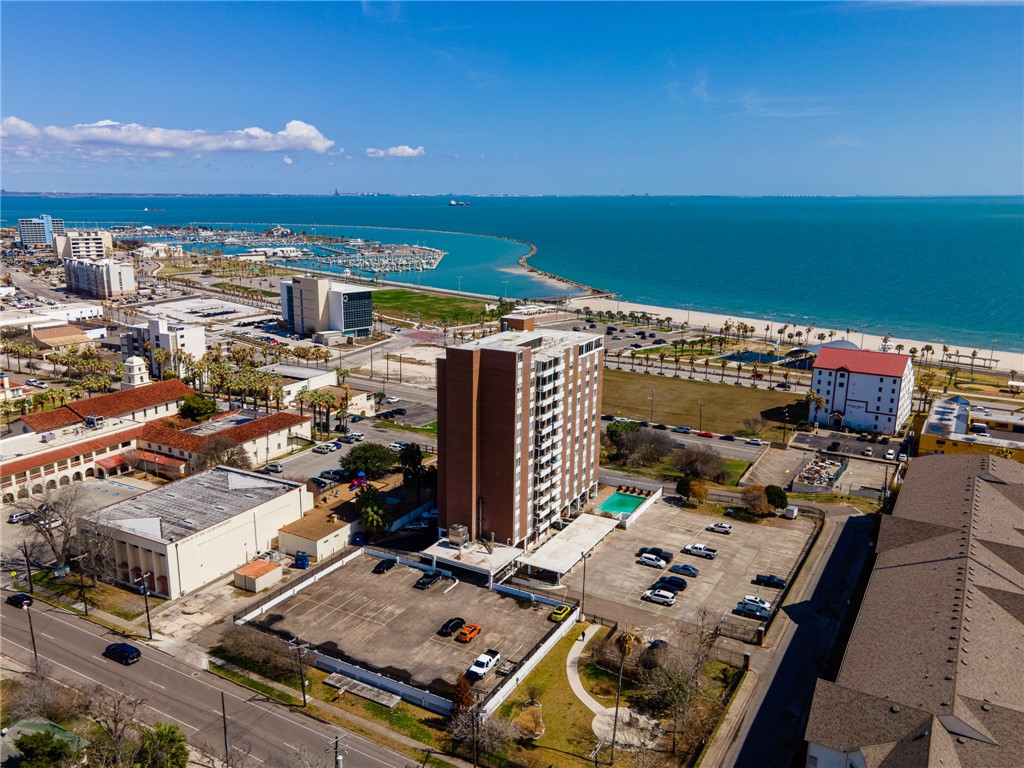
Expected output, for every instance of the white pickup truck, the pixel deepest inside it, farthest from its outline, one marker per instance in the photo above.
(483, 664)
(701, 550)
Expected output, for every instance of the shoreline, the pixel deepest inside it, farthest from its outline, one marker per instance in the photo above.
(1005, 360)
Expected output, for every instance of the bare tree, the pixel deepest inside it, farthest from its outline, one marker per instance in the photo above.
(756, 501)
(701, 462)
(481, 735)
(253, 649)
(116, 714)
(132, 458)
(221, 450)
(56, 518)
(756, 425)
(40, 696)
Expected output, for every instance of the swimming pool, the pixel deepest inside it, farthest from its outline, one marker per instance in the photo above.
(621, 503)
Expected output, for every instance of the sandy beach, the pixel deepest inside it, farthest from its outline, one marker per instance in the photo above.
(1006, 361)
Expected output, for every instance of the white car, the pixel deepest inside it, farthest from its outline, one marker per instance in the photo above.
(720, 528)
(890, 454)
(755, 441)
(393, 400)
(760, 602)
(903, 457)
(660, 596)
(321, 449)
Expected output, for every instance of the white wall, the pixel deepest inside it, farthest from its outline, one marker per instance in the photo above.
(858, 396)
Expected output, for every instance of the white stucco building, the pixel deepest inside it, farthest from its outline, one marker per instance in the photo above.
(862, 389)
(176, 338)
(184, 535)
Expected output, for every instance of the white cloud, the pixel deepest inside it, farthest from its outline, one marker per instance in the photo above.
(400, 151)
(287, 160)
(16, 128)
(297, 136)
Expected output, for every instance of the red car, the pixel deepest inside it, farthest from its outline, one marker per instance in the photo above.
(705, 434)
(467, 633)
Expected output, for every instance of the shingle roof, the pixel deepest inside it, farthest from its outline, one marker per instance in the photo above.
(941, 627)
(862, 361)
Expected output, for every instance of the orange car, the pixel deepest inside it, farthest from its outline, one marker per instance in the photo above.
(468, 632)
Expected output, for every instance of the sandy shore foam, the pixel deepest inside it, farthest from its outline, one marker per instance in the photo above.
(1006, 361)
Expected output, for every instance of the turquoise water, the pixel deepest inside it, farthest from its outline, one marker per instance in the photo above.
(947, 270)
(621, 503)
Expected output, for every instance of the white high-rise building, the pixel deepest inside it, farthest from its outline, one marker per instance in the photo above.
(83, 244)
(518, 431)
(862, 389)
(160, 334)
(87, 268)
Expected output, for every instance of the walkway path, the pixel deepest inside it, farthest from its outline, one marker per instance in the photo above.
(633, 728)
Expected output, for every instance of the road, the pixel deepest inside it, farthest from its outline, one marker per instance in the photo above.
(772, 732)
(174, 692)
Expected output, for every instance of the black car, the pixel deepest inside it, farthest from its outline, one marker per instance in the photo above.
(834, 446)
(355, 419)
(607, 417)
(383, 566)
(20, 600)
(319, 482)
(123, 653)
(664, 586)
(400, 411)
(676, 582)
(770, 580)
(451, 626)
(728, 438)
(427, 580)
(645, 423)
(660, 426)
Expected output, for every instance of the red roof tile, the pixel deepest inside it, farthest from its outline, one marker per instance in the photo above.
(47, 420)
(128, 400)
(68, 451)
(862, 361)
(243, 433)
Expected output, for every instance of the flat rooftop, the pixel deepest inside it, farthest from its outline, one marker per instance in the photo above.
(544, 341)
(31, 443)
(297, 372)
(561, 552)
(193, 504)
(473, 556)
(951, 418)
(213, 426)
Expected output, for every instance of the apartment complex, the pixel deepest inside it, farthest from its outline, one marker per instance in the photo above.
(88, 270)
(862, 389)
(313, 304)
(518, 431)
(932, 675)
(39, 230)
(144, 340)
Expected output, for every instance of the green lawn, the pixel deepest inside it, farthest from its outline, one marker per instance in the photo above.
(678, 401)
(120, 602)
(426, 429)
(432, 308)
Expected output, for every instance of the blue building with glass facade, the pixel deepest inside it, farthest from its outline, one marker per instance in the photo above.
(40, 230)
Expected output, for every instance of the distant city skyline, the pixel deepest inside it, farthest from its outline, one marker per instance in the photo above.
(513, 98)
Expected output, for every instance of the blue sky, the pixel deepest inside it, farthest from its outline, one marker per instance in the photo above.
(517, 98)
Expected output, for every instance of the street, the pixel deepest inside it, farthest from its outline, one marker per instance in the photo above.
(176, 693)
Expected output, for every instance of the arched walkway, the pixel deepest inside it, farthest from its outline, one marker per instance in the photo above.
(23, 493)
(51, 485)
(8, 498)
(90, 472)
(65, 480)
(77, 477)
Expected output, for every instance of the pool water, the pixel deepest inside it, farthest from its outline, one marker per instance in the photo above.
(621, 503)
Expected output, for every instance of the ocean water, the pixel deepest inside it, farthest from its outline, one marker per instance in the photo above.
(948, 270)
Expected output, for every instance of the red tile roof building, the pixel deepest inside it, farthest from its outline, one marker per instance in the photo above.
(862, 390)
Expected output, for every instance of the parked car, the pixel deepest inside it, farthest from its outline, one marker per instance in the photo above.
(561, 613)
(902, 457)
(483, 664)
(607, 417)
(467, 633)
(19, 600)
(652, 561)
(392, 400)
(18, 517)
(720, 528)
(834, 446)
(659, 596)
(397, 446)
(751, 611)
(701, 550)
(123, 653)
(660, 426)
(866, 452)
(427, 580)
(451, 626)
(684, 430)
(674, 581)
(770, 580)
(355, 419)
(758, 601)
(685, 570)
(664, 554)
(418, 525)
(705, 434)
(755, 441)
(728, 438)
(321, 449)
(890, 454)
(319, 482)
(276, 467)
(383, 566)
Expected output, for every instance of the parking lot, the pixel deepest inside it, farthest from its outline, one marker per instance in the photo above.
(850, 443)
(381, 622)
(613, 573)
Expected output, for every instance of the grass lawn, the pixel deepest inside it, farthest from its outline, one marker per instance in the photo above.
(426, 429)
(245, 289)
(568, 739)
(120, 602)
(677, 401)
(432, 308)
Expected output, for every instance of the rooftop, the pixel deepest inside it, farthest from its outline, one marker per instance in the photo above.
(941, 626)
(240, 426)
(28, 451)
(257, 568)
(862, 361)
(546, 341)
(297, 372)
(115, 404)
(474, 556)
(563, 550)
(194, 503)
(951, 419)
(317, 524)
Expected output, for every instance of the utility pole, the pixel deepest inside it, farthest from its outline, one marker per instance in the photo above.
(339, 752)
(224, 719)
(28, 567)
(652, 405)
(700, 423)
(583, 599)
(302, 673)
(145, 596)
(32, 632)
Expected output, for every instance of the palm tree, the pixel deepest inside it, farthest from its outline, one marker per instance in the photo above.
(632, 358)
(725, 364)
(739, 367)
(160, 357)
(626, 642)
(707, 365)
(974, 356)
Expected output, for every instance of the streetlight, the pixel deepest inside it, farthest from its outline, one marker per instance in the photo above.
(299, 648)
(652, 405)
(145, 596)
(459, 278)
(583, 599)
(700, 423)
(505, 294)
(32, 632)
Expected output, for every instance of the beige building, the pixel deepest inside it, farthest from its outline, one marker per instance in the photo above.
(518, 431)
(313, 304)
(185, 534)
(318, 534)
(82, 244)
(61, 337)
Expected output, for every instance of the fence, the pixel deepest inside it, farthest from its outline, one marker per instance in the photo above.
(411, 693)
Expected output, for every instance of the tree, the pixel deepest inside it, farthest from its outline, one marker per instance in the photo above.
(372, 458)
(67, 504)
(483, 735)
(755, 500)
(463, 697)
(221, 450)
(411, 460)
(163, 747)
(701, 462)
(115, 713)
(755, 425)
(698, 492)
(625, 642)
(683, 486)
(625, 435)
(195, 407)
(373, 511)
(42, 749)
(776, 496)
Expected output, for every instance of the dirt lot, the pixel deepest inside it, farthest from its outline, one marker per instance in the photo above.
(615, 581)
(382, 623)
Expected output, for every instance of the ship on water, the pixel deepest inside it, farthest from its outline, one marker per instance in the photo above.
(456, 203)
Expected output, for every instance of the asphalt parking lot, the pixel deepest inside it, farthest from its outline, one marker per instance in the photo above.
(849, 444)
(381, 622)
(613, 573)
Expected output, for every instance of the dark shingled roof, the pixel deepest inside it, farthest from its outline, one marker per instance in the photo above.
(940, 634)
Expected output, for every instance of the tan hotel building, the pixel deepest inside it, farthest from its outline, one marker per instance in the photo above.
(518, 431)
